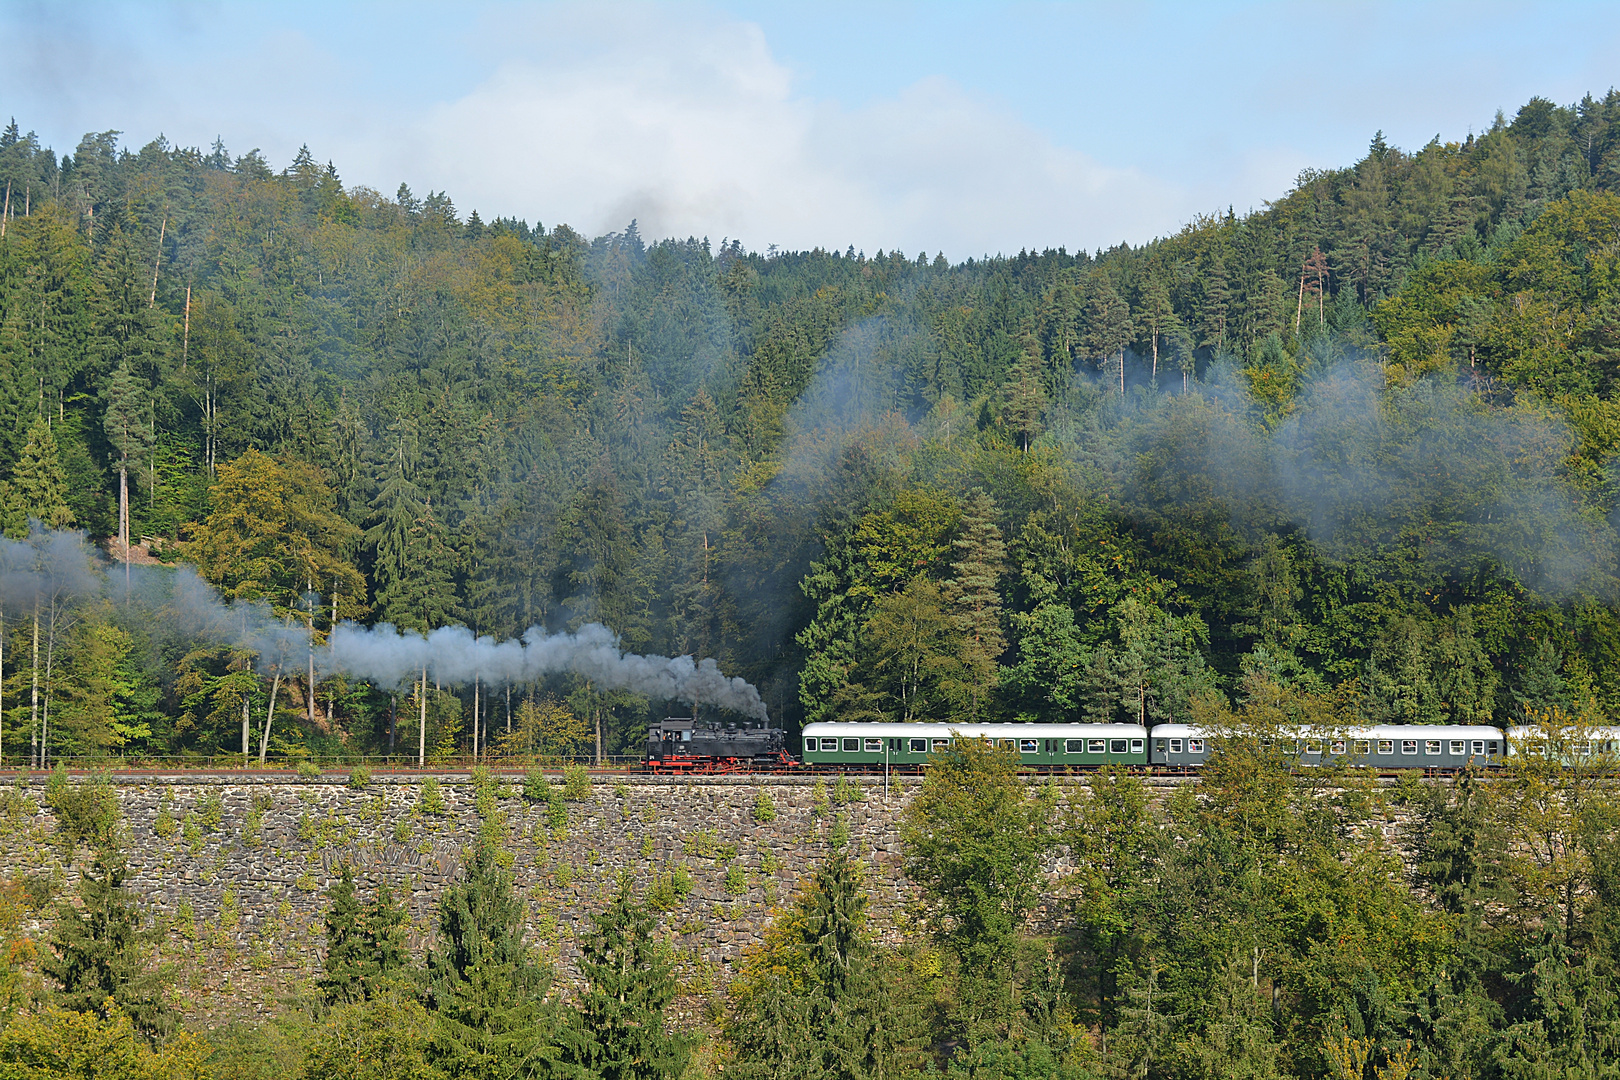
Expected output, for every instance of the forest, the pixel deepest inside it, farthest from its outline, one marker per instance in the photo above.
(1117, 485)
(1036, 487)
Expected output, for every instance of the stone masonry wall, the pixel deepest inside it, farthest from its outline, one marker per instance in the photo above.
(239, 874)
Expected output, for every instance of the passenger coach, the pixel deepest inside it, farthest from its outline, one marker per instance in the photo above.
(866, 745)
(1386, 746)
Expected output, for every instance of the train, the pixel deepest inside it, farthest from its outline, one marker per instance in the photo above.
(686, 745)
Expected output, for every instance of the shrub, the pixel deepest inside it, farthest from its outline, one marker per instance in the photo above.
(402, 831)
(576, 782)
(86, 813)
(818, 799)
(308, 770)
(359, 778)
(535, 786)
(482, 777)
(736, 882)
(432, 800)
(764, 807)
(211, 811)
(669, 889)
(845, 792)
(556, 808)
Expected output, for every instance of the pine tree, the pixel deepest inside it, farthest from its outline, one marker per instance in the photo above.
(973, 596)
(629, 984)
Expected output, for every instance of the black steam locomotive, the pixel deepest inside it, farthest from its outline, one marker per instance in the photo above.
(686, 745)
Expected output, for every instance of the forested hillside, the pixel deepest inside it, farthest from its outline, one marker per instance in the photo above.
(1357, 444)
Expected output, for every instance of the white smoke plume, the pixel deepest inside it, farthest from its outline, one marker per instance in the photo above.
(63, 568)
(453, 655)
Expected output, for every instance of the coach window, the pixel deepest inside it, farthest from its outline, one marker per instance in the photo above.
(1116, 746)
(1136, 746)
(1028, 746)
(1195, 746)
(1074, 746)
(1490, 747)
(918, 746)
(1479, 746)
(1409, 746)
(874, 746)
(942, 744)
(1363, 747)
(1583, 749)
(1158, 746)
(1431, 746)
(1458, 747)
(852, 746)
(1386, 746)
(1096, 746)
(1338, 746)
(810, 746)
(1313, 747)
(829, 746)
(1175, 746)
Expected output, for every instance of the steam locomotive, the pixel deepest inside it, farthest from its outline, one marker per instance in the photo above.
(685, 745)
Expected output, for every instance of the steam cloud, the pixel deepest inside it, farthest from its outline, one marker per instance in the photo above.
(52, 571)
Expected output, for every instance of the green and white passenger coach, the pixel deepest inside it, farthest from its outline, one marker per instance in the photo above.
(869, 746)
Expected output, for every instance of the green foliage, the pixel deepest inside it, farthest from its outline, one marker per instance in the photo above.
(101, 950)
(736, 880)
(536, 788)
(556, 808)
(629, 983)
(764, 807)
(485, 986)
(308, 770)
(87, 813)
(838, 836)
(576, 782)
(670, 888)
(359, 778)
(365, 944)
(845, 792)
(431, 800)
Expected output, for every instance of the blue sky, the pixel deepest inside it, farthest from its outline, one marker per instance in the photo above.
(967, 128)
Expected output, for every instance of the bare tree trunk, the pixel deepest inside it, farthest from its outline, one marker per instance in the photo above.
(185, 335)
(269, 716)
(421, 725)
(45, 708)
(123, 507)
(393, 706)
(152, 300)
(247, 737)
(599, 736)
(1154, 338)
(33, 715)
(7, 213)
(509, 708)
(475, 718)
(312, 654)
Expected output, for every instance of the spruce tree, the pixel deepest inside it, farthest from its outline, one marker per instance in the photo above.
(100, 950)
(485, 985)
(38, 486)
(343, 979)
(629, 984)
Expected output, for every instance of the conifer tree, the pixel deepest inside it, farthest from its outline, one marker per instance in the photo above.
(629, 984)
(101, 951)
(342, 979)
(484, 983)
(974, 596)
(38, 486)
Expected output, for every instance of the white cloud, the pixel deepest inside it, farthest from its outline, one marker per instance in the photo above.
(693, 127)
